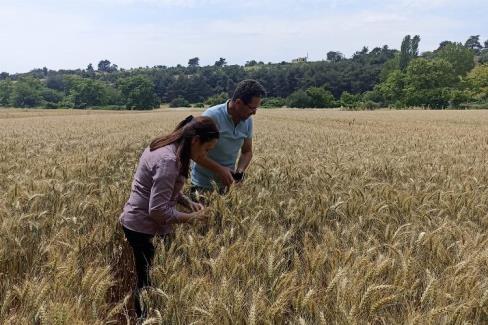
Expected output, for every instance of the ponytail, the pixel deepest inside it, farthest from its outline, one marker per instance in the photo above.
(187, 120)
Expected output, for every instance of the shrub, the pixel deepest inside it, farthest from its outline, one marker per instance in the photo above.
(179, 102)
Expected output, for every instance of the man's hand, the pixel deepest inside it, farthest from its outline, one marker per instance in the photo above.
(225, 175)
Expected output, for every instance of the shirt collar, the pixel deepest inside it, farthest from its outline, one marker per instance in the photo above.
(229, 117)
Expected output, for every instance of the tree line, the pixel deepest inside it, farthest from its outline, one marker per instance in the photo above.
(453, 75)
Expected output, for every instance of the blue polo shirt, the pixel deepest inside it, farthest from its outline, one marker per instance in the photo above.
(227, 148)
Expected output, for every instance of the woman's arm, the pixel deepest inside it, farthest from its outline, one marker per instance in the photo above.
(160, 206)
(197, 216)
(189, 203)
(184, 200)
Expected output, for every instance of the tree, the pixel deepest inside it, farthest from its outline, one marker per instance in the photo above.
(320, 97)
(414, 46)
(197, 89)
(461, 58)
(83, 93)
(408, 51)
(217, 99)
(483, 57)
(363, 51)
(367, 73)
(392, 89)
(405, 53)
(51, 97)
(299, 99)
(334, 56)
(373, 96)
(272, 102)
(194, 62)
(348, 99)
(250, 63)
(477, 82)
(429, 83)
(443, 43)
(360, 55)
(56, 81)
(313, 97)
(26, 93)
(390, 66)
(5, 92)
(473, 43)
(459, 97)
(36, 73)
(424, 74)
(106, 66)
(138, 92)
(429, 55)
(380, 55)
(220, 63)
(478, 77)
(179, 102)
(90, 72)
(4, 75)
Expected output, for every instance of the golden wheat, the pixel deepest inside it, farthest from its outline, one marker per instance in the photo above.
(344, 218)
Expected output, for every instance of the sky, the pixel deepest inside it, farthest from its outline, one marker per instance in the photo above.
(70, 34)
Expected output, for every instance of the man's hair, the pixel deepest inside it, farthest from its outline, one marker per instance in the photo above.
(247, 89)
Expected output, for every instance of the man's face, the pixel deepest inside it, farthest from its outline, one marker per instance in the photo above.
(246, 110)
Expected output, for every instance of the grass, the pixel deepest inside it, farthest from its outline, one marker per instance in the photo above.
(345, 218)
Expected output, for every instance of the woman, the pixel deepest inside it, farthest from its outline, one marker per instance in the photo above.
(156, 189)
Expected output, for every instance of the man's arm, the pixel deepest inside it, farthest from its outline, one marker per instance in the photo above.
(246, 155)
(221, 171)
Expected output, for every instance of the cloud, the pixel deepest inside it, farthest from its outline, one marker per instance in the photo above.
(73, 34)
(422, 6)
(170, 3)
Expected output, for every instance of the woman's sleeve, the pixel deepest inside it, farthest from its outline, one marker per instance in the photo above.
(181, 198)
(165, 174)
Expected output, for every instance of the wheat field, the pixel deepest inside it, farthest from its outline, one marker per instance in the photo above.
(344, 218)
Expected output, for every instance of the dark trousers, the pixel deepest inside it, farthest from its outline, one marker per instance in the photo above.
(143, 250)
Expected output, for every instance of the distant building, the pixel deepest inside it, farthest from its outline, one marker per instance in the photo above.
(300, 60)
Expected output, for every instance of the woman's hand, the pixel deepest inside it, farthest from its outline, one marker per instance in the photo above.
(201, 215)
(194, 206)
(189, 204)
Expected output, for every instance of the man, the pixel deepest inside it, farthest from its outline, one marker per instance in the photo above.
(235, 124)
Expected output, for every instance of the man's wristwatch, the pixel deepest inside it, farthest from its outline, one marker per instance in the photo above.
(238, 176)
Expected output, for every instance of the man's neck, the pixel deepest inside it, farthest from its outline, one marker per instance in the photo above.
(231, 110)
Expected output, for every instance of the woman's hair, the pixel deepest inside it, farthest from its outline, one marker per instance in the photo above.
(201, 126)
